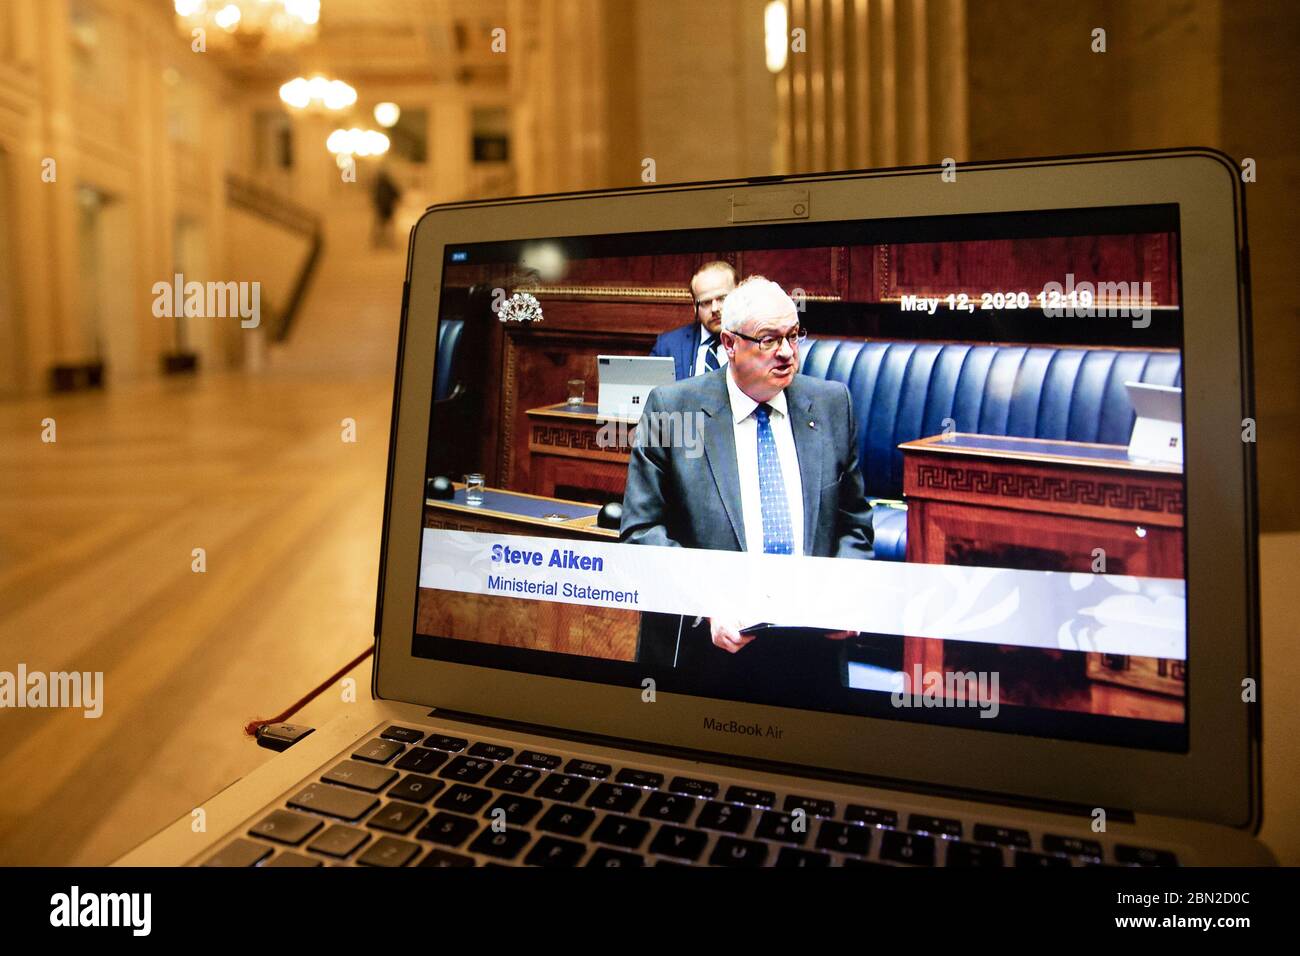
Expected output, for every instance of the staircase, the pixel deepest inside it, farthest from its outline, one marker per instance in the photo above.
(349, 319)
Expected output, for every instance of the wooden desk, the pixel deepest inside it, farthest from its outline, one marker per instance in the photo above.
(522, 622)
(567, 456)
(1047, 505)
(513, 512)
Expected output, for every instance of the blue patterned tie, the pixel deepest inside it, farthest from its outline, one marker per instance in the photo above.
(711, 363)
(777, 533)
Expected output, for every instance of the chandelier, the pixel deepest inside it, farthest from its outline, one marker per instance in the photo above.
(252, 26)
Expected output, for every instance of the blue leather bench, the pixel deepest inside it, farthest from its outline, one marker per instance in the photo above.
(446, 372)
(904, 390)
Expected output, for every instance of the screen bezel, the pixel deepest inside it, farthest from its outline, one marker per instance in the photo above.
(1215, 780)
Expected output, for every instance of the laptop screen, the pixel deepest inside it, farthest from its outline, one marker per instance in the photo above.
(889, 467)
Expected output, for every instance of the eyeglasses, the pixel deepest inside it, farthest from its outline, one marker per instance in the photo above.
(769, 342)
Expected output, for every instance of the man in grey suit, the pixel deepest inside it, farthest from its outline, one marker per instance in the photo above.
(778, 474)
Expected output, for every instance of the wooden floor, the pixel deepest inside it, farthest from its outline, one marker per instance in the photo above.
(96, 537)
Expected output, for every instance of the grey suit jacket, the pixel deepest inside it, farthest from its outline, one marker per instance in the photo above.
(676, 499)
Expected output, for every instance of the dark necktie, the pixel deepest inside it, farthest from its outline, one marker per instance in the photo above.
(778, 535)
(711, 363)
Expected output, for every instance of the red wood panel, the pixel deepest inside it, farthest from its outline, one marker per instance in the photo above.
(1026, 265)
(821, 271)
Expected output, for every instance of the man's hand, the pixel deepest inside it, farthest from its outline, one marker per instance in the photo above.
(841, 635)
(726, 635)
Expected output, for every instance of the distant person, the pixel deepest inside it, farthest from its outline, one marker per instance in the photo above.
(386, 196)
(696, 348)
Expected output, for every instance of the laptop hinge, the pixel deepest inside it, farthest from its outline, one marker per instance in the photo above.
(1118, 814)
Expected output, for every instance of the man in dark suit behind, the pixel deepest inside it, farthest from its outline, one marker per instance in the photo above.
(695, 348)
(778, 474)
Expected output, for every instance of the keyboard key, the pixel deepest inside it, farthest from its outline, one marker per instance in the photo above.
(241, 852)
(445, 858)
(621, 831)
(518, 810)
(569, 821)
(604, 856)
(1142, 856)
(450, 744)
(464, 799)
(559, 787)
(780, 827)
(1072, 846)
(730, 851)
(360, 776)
(750, 797)
(513, 779)
(935, 826)
(397, 817)
(504, 844)
(491, 751)
(333, 801)
(288, 858)
(389, 851)
(1026, 858)
(467, 769)
(421, 760)
(679, 843)
(694, 788)
(552, 851)
(973, 854)
(668, 807)
(810, 806)
(1002, 836)
(614, 798)
(338, 840)
(791, 857)
(285, 826)
(378, 751)
(403, 735)
(588, 768)
(899, 847)
(724, 816)
(870, 816)
(535, 758)
(640, 778)
(448, 829)
(415, 788)
(844, 838)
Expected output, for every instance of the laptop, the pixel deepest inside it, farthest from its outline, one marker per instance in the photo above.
(626, 381)
(1029, 706)
(1158, 428)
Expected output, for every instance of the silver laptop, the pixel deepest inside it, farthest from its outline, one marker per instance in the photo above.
(1158, 427)
(962, 685)
(626, 381)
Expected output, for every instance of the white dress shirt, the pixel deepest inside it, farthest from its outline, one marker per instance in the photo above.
(701, 351)
(745, 428)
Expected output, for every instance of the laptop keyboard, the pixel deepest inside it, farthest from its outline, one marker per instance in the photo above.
(410, 798)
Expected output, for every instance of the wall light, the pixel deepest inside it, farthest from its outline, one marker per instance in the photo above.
(387, 114)
(776, 33)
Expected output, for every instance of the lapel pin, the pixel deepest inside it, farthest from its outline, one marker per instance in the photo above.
(812, 424)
